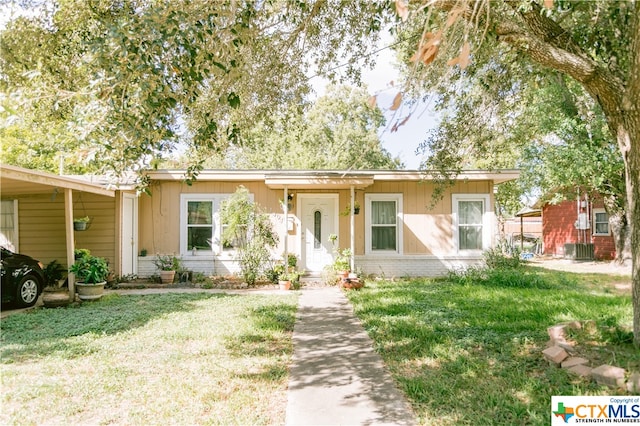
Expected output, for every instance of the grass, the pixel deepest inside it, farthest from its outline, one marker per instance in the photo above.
(469, 351)
(162, 359)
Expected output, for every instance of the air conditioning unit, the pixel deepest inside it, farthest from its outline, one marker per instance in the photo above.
(578, 251)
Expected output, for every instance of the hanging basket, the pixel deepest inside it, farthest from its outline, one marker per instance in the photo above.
(81, 225)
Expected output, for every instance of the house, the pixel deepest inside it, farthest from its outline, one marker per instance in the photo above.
(397, 232)
(577, 229)
(37, 211)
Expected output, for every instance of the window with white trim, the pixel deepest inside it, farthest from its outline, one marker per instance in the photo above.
(471, 222)
(9, 224)
(383, 223)
(200, 227)
(600, 222)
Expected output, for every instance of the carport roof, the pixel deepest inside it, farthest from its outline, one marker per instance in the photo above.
(17, 181)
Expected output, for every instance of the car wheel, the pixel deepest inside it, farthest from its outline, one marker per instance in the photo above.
(28, 291)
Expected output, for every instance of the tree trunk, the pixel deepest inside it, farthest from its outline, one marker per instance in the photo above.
(621, 238)
(546, 43)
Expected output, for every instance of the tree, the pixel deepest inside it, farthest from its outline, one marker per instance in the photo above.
(595, 43)
(136, 77)
(338, 131)
(546, 125)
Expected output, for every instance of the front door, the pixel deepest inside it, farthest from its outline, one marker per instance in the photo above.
(129, 247)
(319, 219)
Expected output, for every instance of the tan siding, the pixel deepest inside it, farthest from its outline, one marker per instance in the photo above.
(427, 228)
(42, 227)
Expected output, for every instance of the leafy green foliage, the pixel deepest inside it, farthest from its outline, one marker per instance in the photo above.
(90, 269)
(250, 231)
(123, 82)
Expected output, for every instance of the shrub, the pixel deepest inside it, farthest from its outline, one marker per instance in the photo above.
(502, 257)
(251, 231)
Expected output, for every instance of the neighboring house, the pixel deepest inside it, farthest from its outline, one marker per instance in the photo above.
(396, 233)
(37, 211)
(577, 229)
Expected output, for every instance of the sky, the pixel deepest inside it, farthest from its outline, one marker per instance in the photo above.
(382, 81)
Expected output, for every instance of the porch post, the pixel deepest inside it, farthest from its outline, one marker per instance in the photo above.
(352, 230)
(285, 207)
(68, 224)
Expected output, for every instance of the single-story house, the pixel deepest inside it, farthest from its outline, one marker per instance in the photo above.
(397, 232)
(577, 229)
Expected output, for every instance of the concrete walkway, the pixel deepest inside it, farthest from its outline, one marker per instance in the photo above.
(336, 377)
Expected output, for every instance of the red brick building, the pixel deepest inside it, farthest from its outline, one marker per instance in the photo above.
(577, 229)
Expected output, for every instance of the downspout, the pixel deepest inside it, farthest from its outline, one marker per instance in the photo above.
(352, 225)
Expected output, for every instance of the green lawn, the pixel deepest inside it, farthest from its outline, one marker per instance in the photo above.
(156, 359)
(466, 353)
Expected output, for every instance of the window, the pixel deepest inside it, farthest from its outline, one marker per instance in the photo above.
(9, 224)
(471, 222)
(317, 229)
(600, 222)
(384, 223)
(200, 226)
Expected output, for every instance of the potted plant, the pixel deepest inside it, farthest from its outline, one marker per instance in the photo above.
(347, 209)
(54, 294)
(290, 278)
(342, 262)
(91, 275)
(81, 223)
(168, 264)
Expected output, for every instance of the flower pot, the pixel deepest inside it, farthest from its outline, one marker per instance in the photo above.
(350, 284)
(343, 274)
(90, 291)
(80, 226)
(284, 285)
(55, 298)
(167, 276)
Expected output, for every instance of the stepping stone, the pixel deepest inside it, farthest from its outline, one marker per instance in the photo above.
(609, 375)
(555, 354)
(573, 361)
(580, 370)
(633, 385)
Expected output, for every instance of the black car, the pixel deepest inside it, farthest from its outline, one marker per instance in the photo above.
(21, 278)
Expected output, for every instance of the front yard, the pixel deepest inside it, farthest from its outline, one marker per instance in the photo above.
(470, 353)
(464, 351)
(162, 359)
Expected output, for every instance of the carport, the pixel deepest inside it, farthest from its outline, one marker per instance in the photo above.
(18, 182)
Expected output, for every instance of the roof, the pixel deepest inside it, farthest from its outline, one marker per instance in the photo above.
(17, 181)
(529, 212)
(338, 179)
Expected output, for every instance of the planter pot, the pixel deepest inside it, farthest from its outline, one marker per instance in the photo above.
(350, 284)
(167, 276)
(90, 291)
(284, 285)
(80, 226)
(55, 298)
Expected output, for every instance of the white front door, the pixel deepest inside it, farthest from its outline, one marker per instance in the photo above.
(129, 245)
(319, 219)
